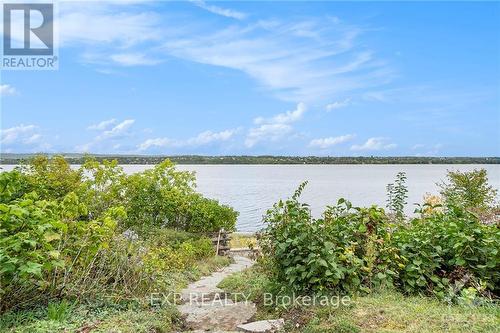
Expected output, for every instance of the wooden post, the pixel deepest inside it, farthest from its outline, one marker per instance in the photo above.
(218, 242)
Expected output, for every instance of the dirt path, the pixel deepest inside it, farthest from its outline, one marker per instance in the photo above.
(206, 307)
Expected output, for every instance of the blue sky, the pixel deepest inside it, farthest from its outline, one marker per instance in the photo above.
(292, 78)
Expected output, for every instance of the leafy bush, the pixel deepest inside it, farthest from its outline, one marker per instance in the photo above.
(158, 196)
(50, 178)
(166, 258)
(61, 229)
(344, 251)
(43, 244)
(209, 214)
(166, 197)
(468, 190)
(448, 250)
(448, 253)
(12, 186)
(165, 237)
(28, 244)
(102, 186)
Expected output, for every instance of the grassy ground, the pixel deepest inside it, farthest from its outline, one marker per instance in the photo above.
(105, 315)
(385, 311)
(96, 316)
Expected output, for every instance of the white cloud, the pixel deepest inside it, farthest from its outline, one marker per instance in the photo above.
(271, 132)
(7, 90)
(133, 59)
(117, 130)
(204, 138)
(306, 60)
(324, 143)
(338, 105)
(377, 143)
(274, 128)
(106, 23)
(102, 125)
(296, 59)
(156, 142)
(35, 138)
(108, 134)
(109, 32)
(219, 10)
(22, 138)
(284, 118)
(16, 133)
(209, 137)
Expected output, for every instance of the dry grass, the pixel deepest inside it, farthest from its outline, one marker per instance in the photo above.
(242, 241)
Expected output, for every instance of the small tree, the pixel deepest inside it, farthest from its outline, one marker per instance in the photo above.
(51, 178)
(397, 195)
(468, 189)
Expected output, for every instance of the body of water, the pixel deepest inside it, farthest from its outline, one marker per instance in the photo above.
(252, 189)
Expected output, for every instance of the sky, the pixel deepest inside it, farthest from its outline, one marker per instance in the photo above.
(257, 78)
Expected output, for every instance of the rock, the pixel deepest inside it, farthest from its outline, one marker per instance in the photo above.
(263, 326)
(205, 307)
(217, 317)
(208, 284)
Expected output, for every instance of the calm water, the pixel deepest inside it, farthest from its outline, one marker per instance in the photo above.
(251, 189)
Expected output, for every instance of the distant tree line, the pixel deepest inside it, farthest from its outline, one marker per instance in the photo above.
(246, 159)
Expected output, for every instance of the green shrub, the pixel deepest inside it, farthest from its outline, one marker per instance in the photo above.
(450, 254)
(28, 246)
(102, 186)
(44, 244)
(159, 237)
(166, 197)
(448, 249)
(51, 178)
(203, 247)
(344, 251)
(13, 185)
(469, 190)
(62, 230)
(159, 260)
(209, 215)
(158, 196)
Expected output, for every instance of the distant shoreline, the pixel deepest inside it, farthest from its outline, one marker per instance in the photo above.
(12, 159)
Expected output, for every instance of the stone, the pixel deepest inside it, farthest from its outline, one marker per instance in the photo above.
(262, 326)
(205, 307)
(216, 316)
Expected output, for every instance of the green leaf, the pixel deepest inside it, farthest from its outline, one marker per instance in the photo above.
(50, 236)
(31, 268)
(322, 262)
(30, 242)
